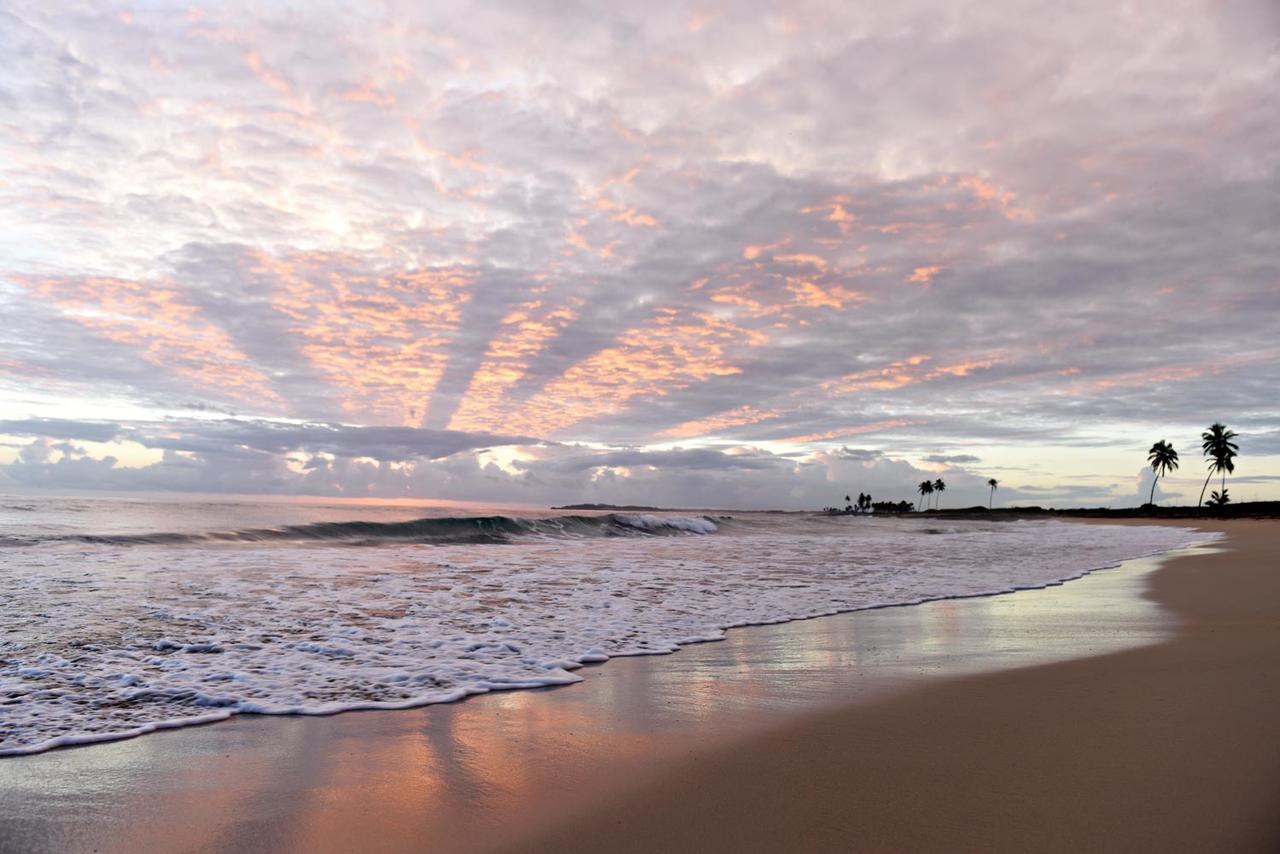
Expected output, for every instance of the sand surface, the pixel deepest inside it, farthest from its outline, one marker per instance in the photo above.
(891, 729)
(1172, 747)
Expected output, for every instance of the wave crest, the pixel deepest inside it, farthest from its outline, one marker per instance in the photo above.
(444, 531)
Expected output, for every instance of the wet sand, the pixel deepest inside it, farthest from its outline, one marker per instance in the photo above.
(891, 729)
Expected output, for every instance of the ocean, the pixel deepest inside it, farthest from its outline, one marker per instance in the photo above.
(123, 615)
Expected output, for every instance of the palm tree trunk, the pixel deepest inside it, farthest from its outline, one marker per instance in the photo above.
(1203, 488)
(1154, 481)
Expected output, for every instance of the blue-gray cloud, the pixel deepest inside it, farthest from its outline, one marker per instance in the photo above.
(393, 444)
(235, 456)
(953, 459)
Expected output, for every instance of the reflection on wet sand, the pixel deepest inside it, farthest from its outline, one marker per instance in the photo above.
(471, 774)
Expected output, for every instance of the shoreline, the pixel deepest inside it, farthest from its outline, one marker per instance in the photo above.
(1169, 746)
(480, 774)
(586, 662)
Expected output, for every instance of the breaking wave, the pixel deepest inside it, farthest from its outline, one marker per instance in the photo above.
(441, 531)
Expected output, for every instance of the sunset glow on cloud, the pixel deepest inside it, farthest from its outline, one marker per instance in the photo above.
(673, 253)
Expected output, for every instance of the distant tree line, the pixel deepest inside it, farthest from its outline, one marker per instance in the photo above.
(927, 489)
(893, 506)
(864, 504)
(1217, 445)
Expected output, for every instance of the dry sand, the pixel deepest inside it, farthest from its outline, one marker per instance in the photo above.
(1172, 747)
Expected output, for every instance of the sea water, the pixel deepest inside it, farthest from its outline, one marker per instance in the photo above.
(122, 616)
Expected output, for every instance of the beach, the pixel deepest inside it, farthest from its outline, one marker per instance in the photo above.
(1169, 747)
(642, 427)
(1127, 710)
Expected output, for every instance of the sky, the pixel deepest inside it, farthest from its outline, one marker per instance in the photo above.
(694, 254)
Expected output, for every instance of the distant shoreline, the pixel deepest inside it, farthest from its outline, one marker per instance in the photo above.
(614, 507)
(1243, 510)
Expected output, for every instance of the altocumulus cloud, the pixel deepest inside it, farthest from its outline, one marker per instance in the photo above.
(386, 239)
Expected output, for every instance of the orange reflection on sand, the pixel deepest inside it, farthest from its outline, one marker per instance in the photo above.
(526, 331)
(672, 352)
(380, 338)
(328, 818)
(433, 780)
(157, 319)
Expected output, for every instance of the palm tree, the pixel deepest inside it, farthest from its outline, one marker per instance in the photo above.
(939, 487)
(1163, 459)
(1217, 445)
(925, 488)
(993, 483)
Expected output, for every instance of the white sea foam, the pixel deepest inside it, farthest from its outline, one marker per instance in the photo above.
(101, 641)
(692, 524)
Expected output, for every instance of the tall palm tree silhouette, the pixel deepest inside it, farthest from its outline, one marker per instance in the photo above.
(1221, 451)
(993, 483)
(1163, 459)
(925, 488)
(939, 487)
